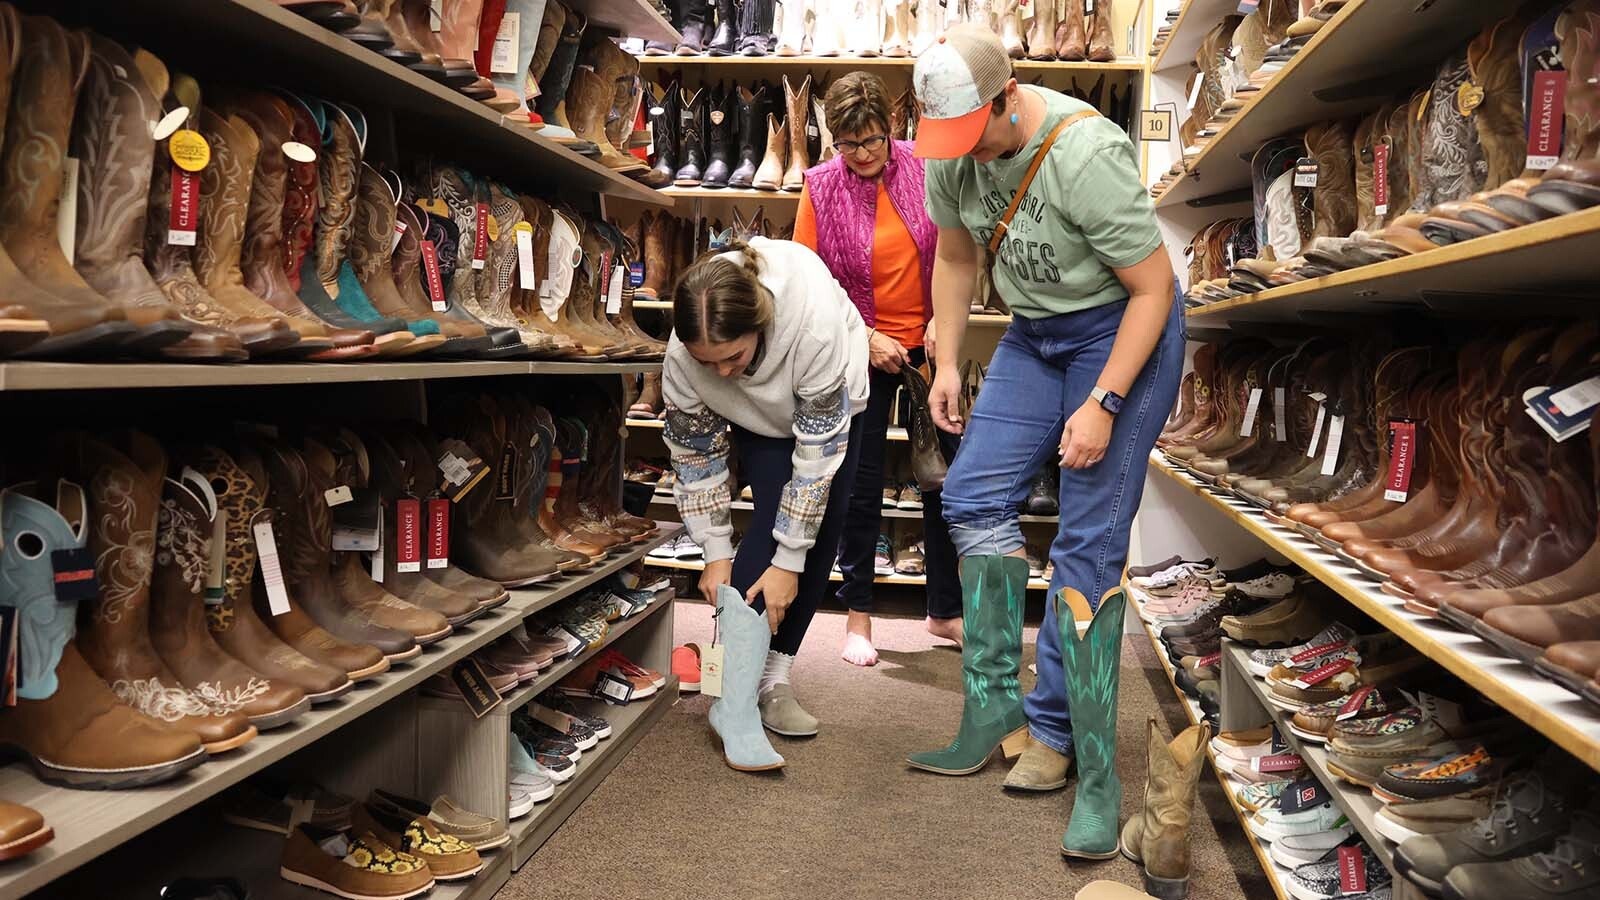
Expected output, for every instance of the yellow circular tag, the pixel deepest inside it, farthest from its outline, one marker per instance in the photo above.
(435, 206)
(494, 228)
(189, 150)
(1468, 98)
(522, 228)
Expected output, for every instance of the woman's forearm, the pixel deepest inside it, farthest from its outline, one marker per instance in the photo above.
(1137, 336)
(952, 300)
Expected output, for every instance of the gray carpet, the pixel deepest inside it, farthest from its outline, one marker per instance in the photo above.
(848, 818)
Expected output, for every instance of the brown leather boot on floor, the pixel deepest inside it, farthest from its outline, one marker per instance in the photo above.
(1158, 836)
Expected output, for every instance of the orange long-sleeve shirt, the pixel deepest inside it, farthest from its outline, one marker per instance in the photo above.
(896, 271)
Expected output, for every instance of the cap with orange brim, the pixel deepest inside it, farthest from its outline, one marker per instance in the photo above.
(955, 80)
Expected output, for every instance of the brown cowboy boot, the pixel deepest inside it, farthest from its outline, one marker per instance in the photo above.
(569, 444)
(410, 225)
(1101, 46)
(71, 728)
(533, 474)
(1158, 837)
(1071, 41)
(797, 103)
(241, 489)
(549, 308)
(458, 40)
(125, 498)
(112, 142)
(178, 613)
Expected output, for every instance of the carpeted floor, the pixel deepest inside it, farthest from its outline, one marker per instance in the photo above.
(848, 818)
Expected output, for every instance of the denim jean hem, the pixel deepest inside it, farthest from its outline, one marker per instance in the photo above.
(1063, 747)
(994, 536)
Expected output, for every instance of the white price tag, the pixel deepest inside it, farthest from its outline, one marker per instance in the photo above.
(67, 214)
(271, 571)
(1251, 409)
(1316, 433)
(1578, 398)
(1330, 456)
(527, 277)
(711, 670)
(1279, 414)
(1199, 85)
(503, 60)
(338, 496)
(1305, 179)
(455, 469)
(399, 232)
(619, 276)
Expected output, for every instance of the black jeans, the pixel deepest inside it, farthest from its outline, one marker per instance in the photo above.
(765, 464)
(866, 509)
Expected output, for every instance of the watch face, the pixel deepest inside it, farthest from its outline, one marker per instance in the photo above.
(1112, 403)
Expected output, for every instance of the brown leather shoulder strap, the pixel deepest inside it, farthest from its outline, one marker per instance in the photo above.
(1002, 226)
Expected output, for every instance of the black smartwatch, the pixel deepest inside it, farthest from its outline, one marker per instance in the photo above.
(1110, 401)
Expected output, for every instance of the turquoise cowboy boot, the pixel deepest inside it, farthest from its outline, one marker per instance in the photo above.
(1092, 665)
(44, 624)
(745, 636)
(993, 591)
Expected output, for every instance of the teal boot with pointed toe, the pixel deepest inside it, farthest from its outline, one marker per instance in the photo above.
(1092, 665)
(993, 591)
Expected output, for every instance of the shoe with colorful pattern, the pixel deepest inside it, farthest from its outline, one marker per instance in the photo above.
(1444, 776)
(1347, 871)
(1314, 722)
(449, 858)
(352, 864)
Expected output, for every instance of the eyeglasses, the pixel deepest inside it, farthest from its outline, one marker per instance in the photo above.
(871, 145)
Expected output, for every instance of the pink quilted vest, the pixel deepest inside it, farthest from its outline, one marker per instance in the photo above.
(846, 207)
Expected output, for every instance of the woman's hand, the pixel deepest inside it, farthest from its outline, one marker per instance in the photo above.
(1084, 439)
(886, 354)
(944, 400)
(778, 587)
(929, 343)
(717, 573)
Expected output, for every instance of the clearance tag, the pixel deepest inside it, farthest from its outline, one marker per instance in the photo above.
(1318, 676)
(271, 571)
(1546, 119)
(1352, 871)
(614, 294)
(438, 533)
(1306, 656)
(1277, 762)
(189, 150)
(1402, 459)
(1330, 456)
(527, 276)
(183, 220)
(431, 277)
(1353, 704)
(408, 535)
(1380, 178)
(711, 670)
(1250, 411)
(480, 237)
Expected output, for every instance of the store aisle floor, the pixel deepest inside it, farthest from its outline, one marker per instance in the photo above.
(848, 818)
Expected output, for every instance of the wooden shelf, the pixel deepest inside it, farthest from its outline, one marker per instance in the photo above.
(628, 18)
(887, 513)
(1195, 19)
(1547, 266)
(985, 320)
(628, 725)
(1544, 705)
(1366, 50)
(56, 376)
(260, 42)
(850, 61)
(89, 823)
(735, 194)
(697, 565)
(1354, 801)
(1277, 876)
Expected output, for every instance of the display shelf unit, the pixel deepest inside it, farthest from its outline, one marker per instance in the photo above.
(1546, 266)
(89, 823)
(628, 725)
(1195, 19)
(986, 320)
(1245, 706)
(1369, 50)
(895, 434)
(699, 565)
(850, 61)
(1544, 705)
(259, 39)
(548, 679)
(628, 18)
(1276, 875)
(60, 376)
(747, 194)
(746, 506)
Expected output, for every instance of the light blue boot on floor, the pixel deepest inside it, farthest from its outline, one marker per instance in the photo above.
(744, 636)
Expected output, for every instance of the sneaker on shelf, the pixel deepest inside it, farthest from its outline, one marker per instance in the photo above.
(1346, 872)
(503, 681)
(1173, 574)
(686, 666)
(891, 495)
(909, 560)
(1360, 749)
(1257, 569)
(667, 549)
(883, 557)
(1235, 747)
(1292, 620)
(1259, 769)
(520, 657)
(688, 549)
(1035, 561)
(747, 494)
(1313, 723)
(1137, 572)
(1253, 797)
(613, 659)
(600, 725)
(1328, 639)
(1308, 679)
(518, 803)
(481, 831)
(1400, 821)
(1569, 868)
(268, 803)
(558, 724)
(543, 741)
(1306, 807)
(641, 472)
(528, 774)
(1049, 571)
(910, 497)
(1446, 775)
(1272, 586)
(1297, 850)
(585, 677)
(664, 485)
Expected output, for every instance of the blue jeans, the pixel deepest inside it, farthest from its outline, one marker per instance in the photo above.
(1042, 371)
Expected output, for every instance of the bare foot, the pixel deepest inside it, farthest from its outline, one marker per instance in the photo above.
(949, 629)
(858, 649)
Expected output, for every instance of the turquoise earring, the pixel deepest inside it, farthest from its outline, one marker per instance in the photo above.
(1013, 118)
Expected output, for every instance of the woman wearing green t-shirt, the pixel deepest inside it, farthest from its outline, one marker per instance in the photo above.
(1089, 369)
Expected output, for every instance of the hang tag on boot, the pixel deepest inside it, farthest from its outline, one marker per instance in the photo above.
(527, 276)
(74, 576)
(271, 570)
(480, 237)
(217, 565)
(1330, 456)
(1250, 411)
(183, 219)
(711, 670)
(408, 535)
(614, 291)
(358, 524)
(1402, 459)
(1280, 432)
(503, 58)
(438, 533)
(431, 277)
(67, 212)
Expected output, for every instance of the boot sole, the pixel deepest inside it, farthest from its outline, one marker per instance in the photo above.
(464, 618)
(281, 717)
(103, 339)
(425, 640)
(496, 603)
(233, 743)
(1080, 854)
(111, 779)
(22, 846)
(376, 669)
(336, 693)
(987, 757)
(1039, 789)
(793, 734)
(391, 658)
(772, 768)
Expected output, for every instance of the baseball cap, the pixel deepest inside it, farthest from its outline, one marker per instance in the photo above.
(955, 81)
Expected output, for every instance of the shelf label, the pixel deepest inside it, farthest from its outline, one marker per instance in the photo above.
(1402, 459)
(1155, 125)
(1250, 410)
(476, 691)
(1546, 118)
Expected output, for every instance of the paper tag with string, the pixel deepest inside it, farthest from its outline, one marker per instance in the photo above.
(711, 665)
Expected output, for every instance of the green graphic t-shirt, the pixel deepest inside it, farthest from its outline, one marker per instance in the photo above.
(1085, 214)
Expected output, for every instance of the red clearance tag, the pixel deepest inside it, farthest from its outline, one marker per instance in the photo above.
(408, 535)
(1353, 703)
(1380, 178)
(1352, 871)
(438, 534)
(430, 271)
(1314, 652)
(480, 238)
(183, 224)
(1277, 762)
(1546, 118)
(1211, 660)
(1402, 459)
(1318, 676)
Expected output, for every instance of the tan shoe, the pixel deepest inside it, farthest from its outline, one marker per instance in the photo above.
(352, 865)
(448, 857)
(1040, 768)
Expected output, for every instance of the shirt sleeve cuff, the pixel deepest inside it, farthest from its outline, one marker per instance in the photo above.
(718, 548)
(789, 559)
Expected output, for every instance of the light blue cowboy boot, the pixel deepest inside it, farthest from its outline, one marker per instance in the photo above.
(44, 624)
(1092, 665)
(745, 637)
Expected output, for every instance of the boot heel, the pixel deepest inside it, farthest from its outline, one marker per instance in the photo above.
(1166, 888)
(1012, 745)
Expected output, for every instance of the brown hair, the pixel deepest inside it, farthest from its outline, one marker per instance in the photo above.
(717, 300)
(856, 102)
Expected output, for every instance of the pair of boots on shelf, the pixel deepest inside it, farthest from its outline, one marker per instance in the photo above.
(737, 136)
(722, 28)
(1058, 31)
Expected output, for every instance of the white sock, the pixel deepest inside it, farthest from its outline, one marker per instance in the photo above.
(775, 672)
